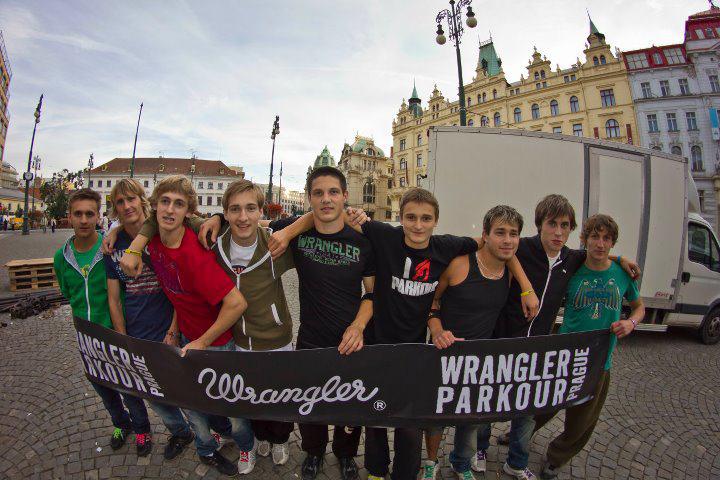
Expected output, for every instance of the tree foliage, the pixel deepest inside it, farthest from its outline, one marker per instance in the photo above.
(55, 192)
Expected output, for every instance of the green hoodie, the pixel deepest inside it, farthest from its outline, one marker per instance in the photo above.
(86, 292)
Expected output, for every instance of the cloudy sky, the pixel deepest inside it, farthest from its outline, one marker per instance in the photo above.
(213, 75)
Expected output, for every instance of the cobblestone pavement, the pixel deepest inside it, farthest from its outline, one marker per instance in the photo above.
(660, 418)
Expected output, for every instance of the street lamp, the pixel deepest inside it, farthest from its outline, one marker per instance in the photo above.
(275, 132)
(27, 175)
(454, 20)
(36, 165)
(90, 167)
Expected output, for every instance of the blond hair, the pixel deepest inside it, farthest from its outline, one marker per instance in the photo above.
(128, 186)
(242, 186)
(175, 184)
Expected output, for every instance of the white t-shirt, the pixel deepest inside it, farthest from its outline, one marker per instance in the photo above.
(552, 260)
(240, 256)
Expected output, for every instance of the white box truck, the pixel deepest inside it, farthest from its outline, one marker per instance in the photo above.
(650, 194)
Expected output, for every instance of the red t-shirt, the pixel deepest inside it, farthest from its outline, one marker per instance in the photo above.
(194, 283)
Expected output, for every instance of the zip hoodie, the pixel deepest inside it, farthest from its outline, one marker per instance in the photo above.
(87, 293)
(548, 283)
(266, 324)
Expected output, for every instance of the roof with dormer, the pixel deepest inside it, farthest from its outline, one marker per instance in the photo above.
(362, 144)
(488, 59)
(324, 159)
(170, 166)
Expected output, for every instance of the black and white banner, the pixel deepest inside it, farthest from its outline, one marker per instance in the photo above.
(382, 385)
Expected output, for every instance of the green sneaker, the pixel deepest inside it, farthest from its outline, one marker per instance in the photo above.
(430, 469)
(118, 438)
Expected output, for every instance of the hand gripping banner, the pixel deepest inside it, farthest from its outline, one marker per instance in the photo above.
(407, 385)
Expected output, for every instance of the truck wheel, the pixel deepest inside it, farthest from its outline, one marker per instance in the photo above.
(710, 329)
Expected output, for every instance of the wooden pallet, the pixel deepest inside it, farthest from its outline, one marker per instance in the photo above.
(31, 274)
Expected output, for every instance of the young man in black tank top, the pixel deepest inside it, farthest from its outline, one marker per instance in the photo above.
(468, 300)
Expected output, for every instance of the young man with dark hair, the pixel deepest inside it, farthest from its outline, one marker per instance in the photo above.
(80, 272)
(594, 302)
(138, 306)
(468, 300)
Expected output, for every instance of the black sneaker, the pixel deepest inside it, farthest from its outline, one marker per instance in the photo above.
(221, 464)
(118, 438)
(311, 467)
(143, 444)
(348, 468)
(176, 445)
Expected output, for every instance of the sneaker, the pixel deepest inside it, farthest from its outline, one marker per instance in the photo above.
(118, 438)
(504, 439)
(521, 474)
(176, 444)
(246, 462)
(375, 477)
(466, 475)
(348, 468)
(220, 440)
(143, 444)
(220, 463)
(479, 462)
(549, 472)
(280, 453)
(263, 447)
(311, 467)
(429, 470)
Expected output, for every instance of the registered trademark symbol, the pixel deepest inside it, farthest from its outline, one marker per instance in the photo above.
(379, 405)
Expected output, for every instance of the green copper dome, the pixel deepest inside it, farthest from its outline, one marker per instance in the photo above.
(324, 159)
(362, 145)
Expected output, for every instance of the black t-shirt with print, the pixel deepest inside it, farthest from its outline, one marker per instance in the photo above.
(405, 281)
(330, 269)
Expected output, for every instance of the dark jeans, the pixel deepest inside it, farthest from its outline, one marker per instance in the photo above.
(172, 418)
(271, 431)
(408, 448)
(136, 420)
(315, 439)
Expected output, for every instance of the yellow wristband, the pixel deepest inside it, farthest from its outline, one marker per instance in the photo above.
(133, 252)
(525, 294)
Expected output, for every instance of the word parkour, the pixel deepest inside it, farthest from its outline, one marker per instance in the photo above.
(381, 385)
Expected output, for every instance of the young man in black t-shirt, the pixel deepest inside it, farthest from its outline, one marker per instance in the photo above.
(332, 261)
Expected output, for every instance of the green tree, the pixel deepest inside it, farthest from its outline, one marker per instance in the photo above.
(55, 192)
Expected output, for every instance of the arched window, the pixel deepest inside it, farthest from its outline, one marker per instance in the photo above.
(595, 61)
(403, 164)
(602, 60)
(542, 73)
(471, 123)
(612, 128)
(496, 119)
(494, 94)
(535, 110)
(369, 192)
(469, 102)
(697, 161)
(389, 203)
(517, 115)
(402, 181)
(479, 98)
(676, 150)
(574, 104)
(484, 121)
(419, 139)
(371, 152)
(554, 110)
(537, 75)
(484, 97)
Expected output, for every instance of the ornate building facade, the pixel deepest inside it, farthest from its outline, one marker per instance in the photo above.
(591, 98)
(369, 176)
(5, 76)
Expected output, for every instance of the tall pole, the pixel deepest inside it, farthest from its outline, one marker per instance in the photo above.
(132, 162)
(36, 165)
(275, 133)
(280, 194)
(90, 167)
(28, 175)
(461, 87)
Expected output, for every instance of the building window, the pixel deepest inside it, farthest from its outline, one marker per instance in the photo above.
(538, 86)
(572, 77)
(146, 183)
(218, 201)
(652, 123)
(566, 79)
(671, 122)
(537, 75)
(676, 150)
(637, 60)
(479, 98)
(109, 183)
(419, 141)
(469, 102)
(517, 115)
(403, 164)
(210, 185)
(665, 88)
(200, 184)
(714, 85)
(220, 185)
(602, 60)
(574, 104)
(542, 73)
(646, 89)
(691, 120)
(544, 84)
(199, 200)
(484, 121)
(419, 160)
(701, 201)
(91, 184)
(390, 183)
(535, 111)
(402, 181)
(696, 156)
(494, 94)
(557, 129)
(612, 128)
(577, 129)
(209, 201)
(471, 123)
(684, 87)
(484, 97)
(99, 183)
(554, 110)
(674, 56)
(607, 97)
(402, 144)
(496, 119)
(657, 59)
(596, 61)
(369, 192)
(418, 179)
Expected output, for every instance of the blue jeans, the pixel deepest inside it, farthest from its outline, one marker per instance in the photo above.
(466, 438)
(173, 419)
(521, 430)
(137, 420)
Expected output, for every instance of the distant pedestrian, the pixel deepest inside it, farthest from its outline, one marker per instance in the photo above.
(43, 223)
(53, 224)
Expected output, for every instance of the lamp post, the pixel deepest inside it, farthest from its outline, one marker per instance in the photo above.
(90, 167)
(36, 165)
(132, 162)
(28, 175)
(454, 21)
(275, 133)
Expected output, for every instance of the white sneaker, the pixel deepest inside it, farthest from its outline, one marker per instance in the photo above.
(263, 447)
(468, 475)
(280, 453)
(523, 474)
(429, 470)
(246, 462)
(478, 461)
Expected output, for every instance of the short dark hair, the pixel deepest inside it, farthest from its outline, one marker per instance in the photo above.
(420, 195)
(84, 194)
(326, 171)
(554, 206)
(599, 222)
(503, 214)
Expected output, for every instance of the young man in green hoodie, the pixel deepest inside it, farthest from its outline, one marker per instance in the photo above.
(80, 270)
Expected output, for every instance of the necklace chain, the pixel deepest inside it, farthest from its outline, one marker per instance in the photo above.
(486, 271)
